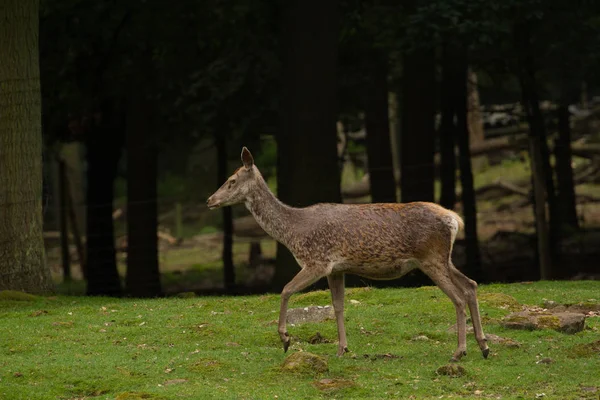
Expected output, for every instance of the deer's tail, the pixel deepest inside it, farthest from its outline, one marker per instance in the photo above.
(458, 219)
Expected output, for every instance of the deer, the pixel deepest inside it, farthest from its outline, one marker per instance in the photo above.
(380, 241)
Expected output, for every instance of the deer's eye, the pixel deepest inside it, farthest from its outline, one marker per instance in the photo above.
(231, 182)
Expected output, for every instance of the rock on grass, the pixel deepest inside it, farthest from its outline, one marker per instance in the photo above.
(310, 314)
(452, 370)
(495, 339)
(565, 322)
(305, 362)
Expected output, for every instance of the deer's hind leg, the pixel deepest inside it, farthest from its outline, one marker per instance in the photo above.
(440, 275)
(336, 285)
(469, 290)
(306, 277)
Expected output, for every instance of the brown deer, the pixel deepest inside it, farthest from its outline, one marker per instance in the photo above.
(376, 241)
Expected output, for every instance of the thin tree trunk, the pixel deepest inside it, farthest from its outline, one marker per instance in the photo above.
(307, 164)
(22, 256)
(222, 175)
(379, 154)
(564, 171)
(63, 222)
(418, 112)
(534, 118)
(143, 277)
(474, 118)
(447, 131)
(104, 142)
(473, 268)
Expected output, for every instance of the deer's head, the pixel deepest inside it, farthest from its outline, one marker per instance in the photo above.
(237, 186)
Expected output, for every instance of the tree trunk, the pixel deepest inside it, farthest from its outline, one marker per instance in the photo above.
(536, 126)
(564, 171)
(447, 131)
(22, 257)
(143, 277)
(222, 175)
(104, 142)
(417, 136)
(475, 121)
(379, 154)
(473, 268)
(307, 164)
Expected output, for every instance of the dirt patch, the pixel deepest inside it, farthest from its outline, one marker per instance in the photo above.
(451, 370)
(374, 357)
(585, 350)
(137, 396)
(305, 363)
(328, 385)
(318, 339)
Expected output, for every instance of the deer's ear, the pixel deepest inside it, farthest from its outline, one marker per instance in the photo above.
(247, 158)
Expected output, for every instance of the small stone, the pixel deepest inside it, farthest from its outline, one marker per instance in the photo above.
(305, 362)
(309, 314)
(354, 301)
(545, 360)
(420, 338)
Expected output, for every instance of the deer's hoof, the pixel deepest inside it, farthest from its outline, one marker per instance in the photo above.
(341, 352)
(286, 345)
(485, 353)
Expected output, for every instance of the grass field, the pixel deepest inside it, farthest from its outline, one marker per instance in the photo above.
(228, 348)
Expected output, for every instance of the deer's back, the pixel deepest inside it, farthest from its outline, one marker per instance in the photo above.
(367, 233)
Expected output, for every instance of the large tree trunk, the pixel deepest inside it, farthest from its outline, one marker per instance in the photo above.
(417, 168)
(473, 268)
(379, 154)
(536, 135)
(564, 170)
(104, 142)
(307, 164)
(143, 276)
(22, 257)
(447, 131)
(222, 175)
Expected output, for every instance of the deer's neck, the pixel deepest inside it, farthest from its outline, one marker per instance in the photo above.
(277, 219)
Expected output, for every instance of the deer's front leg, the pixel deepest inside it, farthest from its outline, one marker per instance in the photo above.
(336, 285)
(304, 278)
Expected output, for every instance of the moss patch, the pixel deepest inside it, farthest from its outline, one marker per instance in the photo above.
(452, 370)
(585, 349)
(500, 300)
(548, 322)
(305, 362)
(17, 295)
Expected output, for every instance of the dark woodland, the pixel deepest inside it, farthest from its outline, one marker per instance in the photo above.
(119, 118)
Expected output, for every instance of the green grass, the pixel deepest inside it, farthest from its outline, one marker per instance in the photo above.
(228, 348)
